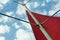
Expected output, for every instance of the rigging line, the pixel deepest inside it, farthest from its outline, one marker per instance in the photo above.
(21, 3)
(44, 20)
(38, 24)
(24, 5)
(17, 19)
(50, 17)
(18, 2)
(27, 1)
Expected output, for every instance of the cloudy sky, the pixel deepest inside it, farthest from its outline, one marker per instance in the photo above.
(11, 29)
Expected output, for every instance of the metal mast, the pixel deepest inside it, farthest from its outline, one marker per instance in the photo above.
(39, 24)
(36, 21)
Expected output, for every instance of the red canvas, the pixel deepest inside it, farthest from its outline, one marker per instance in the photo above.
(52, 26)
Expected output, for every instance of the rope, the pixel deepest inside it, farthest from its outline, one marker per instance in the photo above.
(49, 17)
(17, 19)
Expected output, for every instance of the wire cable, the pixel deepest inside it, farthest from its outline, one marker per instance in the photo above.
(50, 17)
(17, 19)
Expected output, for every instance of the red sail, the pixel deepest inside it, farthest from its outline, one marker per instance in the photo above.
(52, 26)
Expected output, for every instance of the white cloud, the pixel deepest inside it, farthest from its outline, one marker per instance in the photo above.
(9, 13)
(58, 14)
(4, 1)
(43, 13)
(36, 4)
(2, 38)
(29, 5)
(1, 6)
(24, 35)
(55, 0)
(4, 18)
(51, 12)
(20, 9)
(55, 8)
(43, 4)
(27, 25)
(16, 25)
(48, 0)
(25, 1)
(4, 29)
(14, 39)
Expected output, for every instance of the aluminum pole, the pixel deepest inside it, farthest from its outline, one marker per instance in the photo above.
(39, 24)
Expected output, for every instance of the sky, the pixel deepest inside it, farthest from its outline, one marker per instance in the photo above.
(11, 29)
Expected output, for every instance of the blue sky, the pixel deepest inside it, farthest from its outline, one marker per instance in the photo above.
(11, 29)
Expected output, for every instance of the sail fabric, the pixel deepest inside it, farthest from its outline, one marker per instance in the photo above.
(52, 26)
